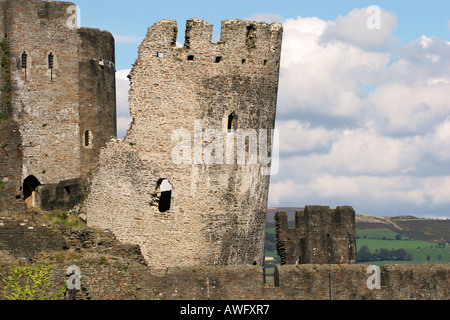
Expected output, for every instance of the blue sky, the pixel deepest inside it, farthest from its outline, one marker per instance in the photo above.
(131, 18)
(364, 115)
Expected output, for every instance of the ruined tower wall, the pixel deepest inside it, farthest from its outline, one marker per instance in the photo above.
(97, 94)
(321, 236)
(4, 92)
(217, 213)
(45, 100)
(11, 167)
(58, 90)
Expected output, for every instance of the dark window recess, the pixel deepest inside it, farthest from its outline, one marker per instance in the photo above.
(265, 62)
(51, 60)
(24, 60)
(190, 57)
(244, 61)
(218, 59)
(67, 189)
(232, 122)
(251, 36)
(166, 195)
(87, 138)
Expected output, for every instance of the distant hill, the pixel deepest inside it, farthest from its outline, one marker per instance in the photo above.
(289, 210)
(437, 230)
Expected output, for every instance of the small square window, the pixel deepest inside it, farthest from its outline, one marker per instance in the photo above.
(244, 61)
(160, 54)
(190, 57)
(218, 59)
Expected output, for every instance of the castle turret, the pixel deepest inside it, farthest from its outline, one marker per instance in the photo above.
(186, 184)
(320, 236)
(61, 91)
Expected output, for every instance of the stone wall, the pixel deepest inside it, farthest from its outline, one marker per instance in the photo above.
(10, 167)
(217, 210)
(62, 90)
(349, 282)
(97, 94)
(320, 236)
(113, 271)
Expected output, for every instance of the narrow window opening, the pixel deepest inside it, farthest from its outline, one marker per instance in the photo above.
(87, 138)
(251, 36)
(244, 61)
(265, 62)
(190, 57)
(24, 63)
(232, 122)
(51, 60)
(166, 195)
(24, 60)
(218, 59)
(160, 54)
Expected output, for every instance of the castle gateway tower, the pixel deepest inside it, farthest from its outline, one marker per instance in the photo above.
(58, 84)
(174, 186)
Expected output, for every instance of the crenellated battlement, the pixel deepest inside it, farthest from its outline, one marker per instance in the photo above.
(241, 42)
(320, 235)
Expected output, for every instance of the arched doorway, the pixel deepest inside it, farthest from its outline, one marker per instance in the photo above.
(30, 185)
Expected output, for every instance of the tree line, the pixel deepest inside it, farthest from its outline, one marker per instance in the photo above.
(364, 255)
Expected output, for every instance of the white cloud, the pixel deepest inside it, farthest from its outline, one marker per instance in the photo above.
(123, 113)
(353, 29)
(302, 137)
(128, 39)
(324, 79)
(383, 152)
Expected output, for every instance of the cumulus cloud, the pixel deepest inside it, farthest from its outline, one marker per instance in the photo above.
(383, 151)
(367, 28)
(324, 79)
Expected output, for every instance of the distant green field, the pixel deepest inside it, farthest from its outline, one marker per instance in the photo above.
(422, 251)
(376, 239)
(377, 234)
(376, 244)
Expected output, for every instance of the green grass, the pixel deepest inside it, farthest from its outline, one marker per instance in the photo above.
(377, 239)
(419, 250)
(377, 234)
(376, 244)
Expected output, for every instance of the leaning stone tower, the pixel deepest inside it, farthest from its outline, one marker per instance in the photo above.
(174, 185)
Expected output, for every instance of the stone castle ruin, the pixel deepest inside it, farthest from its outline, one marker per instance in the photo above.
(58, 90)
(320, 236)
(192, 212)
(186, 190)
